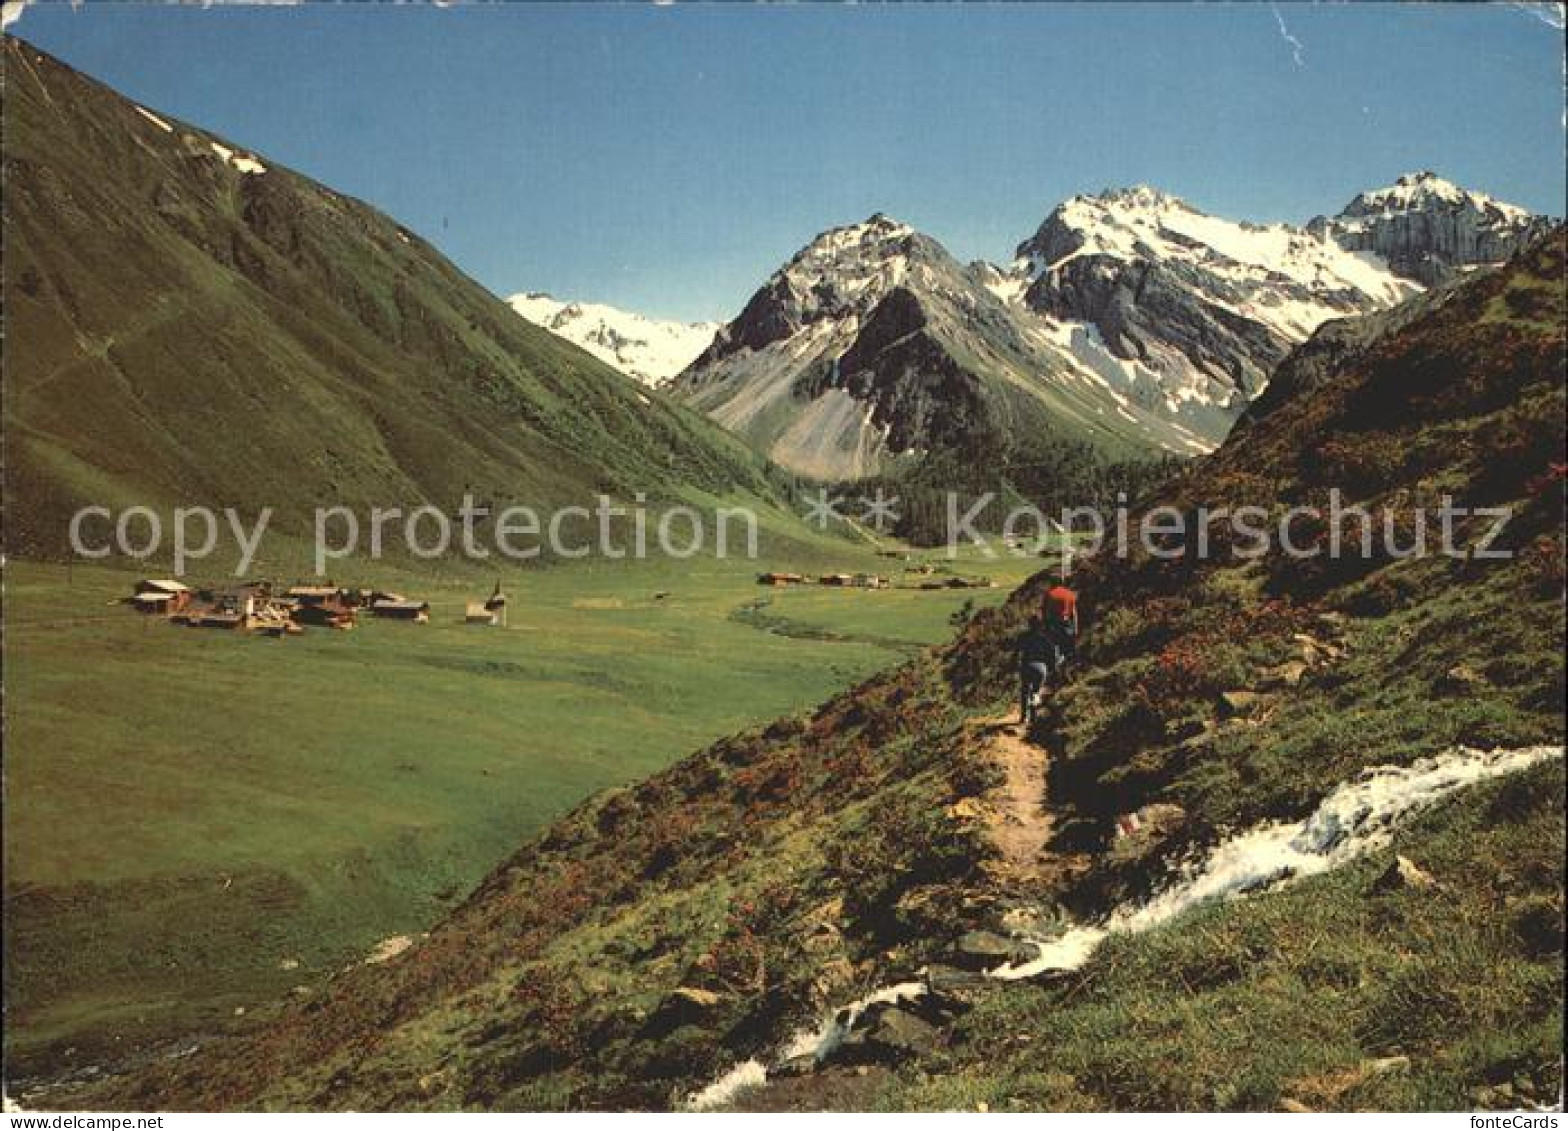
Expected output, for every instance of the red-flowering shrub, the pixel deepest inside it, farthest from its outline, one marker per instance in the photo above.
(1358, 463)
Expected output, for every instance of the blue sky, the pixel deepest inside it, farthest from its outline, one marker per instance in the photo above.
(667, 158)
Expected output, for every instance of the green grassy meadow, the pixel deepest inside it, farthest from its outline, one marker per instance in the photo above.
(200, 822)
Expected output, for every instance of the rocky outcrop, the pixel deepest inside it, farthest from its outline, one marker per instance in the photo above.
(891, 1034)
(1429, 229)
(1405, 874)
(1145, 308)
(840, 274)
(984, 950)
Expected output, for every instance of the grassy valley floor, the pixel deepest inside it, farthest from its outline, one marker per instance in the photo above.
(200, 823)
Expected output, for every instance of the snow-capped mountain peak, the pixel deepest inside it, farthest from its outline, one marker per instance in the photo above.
(830, 285)
(873, 348)
(853, 264)
(1416, 192)
(1194, 311)
(1130, 318)
(1145, 223)
(648, 349)
(1180, 312)
(1429, 229)
(877, 228)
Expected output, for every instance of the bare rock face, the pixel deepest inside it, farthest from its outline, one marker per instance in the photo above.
(902, 371)
(1139, 303)
(842, 273)
(1429, 229)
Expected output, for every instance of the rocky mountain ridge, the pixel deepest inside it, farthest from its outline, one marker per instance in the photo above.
(1160, 323)
(1429, 229)
(1194, 306)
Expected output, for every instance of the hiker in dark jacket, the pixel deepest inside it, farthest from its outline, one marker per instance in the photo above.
(1037, 658)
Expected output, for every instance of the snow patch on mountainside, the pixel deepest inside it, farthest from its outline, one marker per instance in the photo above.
(647, 349)
(1197, 406)
(155, 120)
(238, 161)
(1009, 286)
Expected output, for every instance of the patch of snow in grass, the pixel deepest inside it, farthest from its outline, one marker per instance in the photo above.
(155, 120)
(238, 161)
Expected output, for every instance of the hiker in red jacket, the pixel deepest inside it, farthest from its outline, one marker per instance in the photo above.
(1061, 625)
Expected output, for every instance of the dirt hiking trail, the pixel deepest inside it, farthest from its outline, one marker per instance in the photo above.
(1015, 813)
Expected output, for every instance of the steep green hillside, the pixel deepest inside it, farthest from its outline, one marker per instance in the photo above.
(187, 323)
(662, 933)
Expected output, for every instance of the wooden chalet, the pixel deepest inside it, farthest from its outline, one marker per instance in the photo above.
(325, 606)
(160, 597)
(780, 579)
(402, 609)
